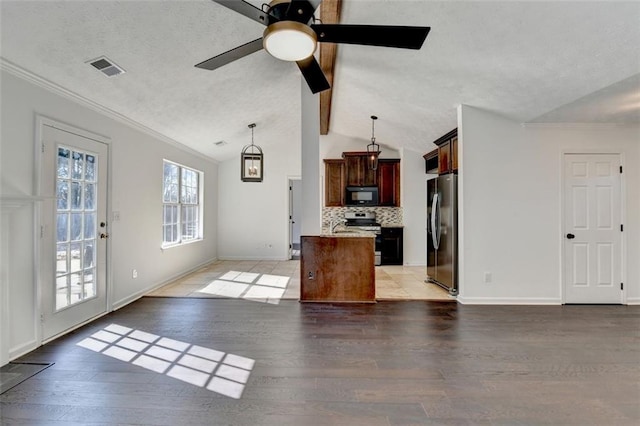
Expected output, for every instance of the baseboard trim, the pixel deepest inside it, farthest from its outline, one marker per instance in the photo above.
(633, 300)
(132, 298)
(508, 301)
(24, 348)
(252, 258)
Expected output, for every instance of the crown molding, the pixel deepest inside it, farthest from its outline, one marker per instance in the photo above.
(585, 126)
(50, 86)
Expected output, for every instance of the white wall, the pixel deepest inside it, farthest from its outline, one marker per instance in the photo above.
(413, 194)
(253, 217)
(510, 193)
(334, 144)
(136, 187)
(310, 161)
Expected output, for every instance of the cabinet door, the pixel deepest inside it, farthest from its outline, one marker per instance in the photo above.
(357, 170)
(431, 162)
(389, 182)
(391, 250)
(444, 158)
(334, 183)
(353, 170)
(454, 153)
(369, 176)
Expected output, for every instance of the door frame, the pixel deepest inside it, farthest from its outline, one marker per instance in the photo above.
(290, 180)
(623, 217)
(42, 121)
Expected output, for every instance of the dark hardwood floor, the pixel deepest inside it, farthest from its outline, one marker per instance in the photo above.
(390, 363)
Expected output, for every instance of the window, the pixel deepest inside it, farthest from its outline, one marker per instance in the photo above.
(181, 208)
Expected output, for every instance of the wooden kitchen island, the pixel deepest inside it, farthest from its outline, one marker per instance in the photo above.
(337, 268)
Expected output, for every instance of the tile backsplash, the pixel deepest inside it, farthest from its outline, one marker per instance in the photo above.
(387, 216)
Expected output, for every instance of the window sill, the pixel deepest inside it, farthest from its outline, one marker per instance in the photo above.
(164, 247)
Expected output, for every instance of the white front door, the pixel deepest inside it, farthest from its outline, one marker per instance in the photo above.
(74, 234)
(592, 228)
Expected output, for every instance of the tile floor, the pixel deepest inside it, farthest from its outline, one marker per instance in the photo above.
(270, 281)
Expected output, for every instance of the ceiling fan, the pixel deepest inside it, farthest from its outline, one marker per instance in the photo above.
(292, 35)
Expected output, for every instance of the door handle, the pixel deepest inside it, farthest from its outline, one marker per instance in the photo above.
(104, 236)
(570, 236)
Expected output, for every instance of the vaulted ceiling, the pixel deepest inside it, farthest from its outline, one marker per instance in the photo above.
(558, 62)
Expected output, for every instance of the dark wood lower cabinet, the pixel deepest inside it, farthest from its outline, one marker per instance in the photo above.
(337, 269)
(391, 251)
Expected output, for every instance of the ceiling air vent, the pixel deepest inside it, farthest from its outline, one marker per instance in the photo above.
(106, 66)
(220, 143)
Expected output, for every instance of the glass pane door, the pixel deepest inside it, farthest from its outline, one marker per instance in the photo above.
(76, 227)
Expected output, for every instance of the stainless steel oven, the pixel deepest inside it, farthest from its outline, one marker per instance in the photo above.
(366, 221)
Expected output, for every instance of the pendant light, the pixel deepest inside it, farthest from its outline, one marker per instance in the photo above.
(251, 161)
(373, 149)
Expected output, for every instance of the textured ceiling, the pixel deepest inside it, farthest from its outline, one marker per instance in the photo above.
(531, 62)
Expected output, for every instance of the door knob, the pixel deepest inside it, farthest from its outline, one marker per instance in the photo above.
(570, 236)
(103, 236)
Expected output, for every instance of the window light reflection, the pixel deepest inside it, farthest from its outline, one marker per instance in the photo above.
(250, 286)
(220, 372)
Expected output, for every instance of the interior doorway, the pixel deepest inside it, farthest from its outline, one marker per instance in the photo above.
(295, 217)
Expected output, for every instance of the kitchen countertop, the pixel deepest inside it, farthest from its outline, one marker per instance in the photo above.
(392, 225)
(341, 233)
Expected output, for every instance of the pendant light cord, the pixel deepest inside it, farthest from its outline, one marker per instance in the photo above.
(373, 128)
(252, 126)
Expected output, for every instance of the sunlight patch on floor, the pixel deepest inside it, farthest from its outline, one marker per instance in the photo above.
(220, 372)
(263, 288)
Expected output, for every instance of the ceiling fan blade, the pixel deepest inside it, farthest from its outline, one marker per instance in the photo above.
(302, 10)
(313, 74)
(231, 55)
(372, 35)
(246, 9)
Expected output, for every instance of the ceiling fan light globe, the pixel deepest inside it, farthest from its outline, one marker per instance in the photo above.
(289, 41)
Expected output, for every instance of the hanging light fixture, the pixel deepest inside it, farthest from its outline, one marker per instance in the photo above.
(251, 161)
(373, 149)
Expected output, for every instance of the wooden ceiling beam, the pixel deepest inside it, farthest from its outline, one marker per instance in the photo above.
(329, 14)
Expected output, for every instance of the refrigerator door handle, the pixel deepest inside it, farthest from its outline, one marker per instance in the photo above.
(434, 229)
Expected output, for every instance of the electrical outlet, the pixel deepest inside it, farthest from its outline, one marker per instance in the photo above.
(134, 273)
(116, 216)
(487, 277)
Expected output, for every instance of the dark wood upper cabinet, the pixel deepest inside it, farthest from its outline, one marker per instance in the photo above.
(454, 153)
(389, 182)
(353, 170)
(334, 183)
(431, 162)
(443, 159)
(357, 171)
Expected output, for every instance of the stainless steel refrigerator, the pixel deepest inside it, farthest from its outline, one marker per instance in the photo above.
(442, 232)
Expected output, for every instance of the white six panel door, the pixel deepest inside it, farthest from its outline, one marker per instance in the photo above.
(592, 227)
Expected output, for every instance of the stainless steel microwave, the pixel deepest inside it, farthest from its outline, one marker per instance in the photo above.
(362, 196)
